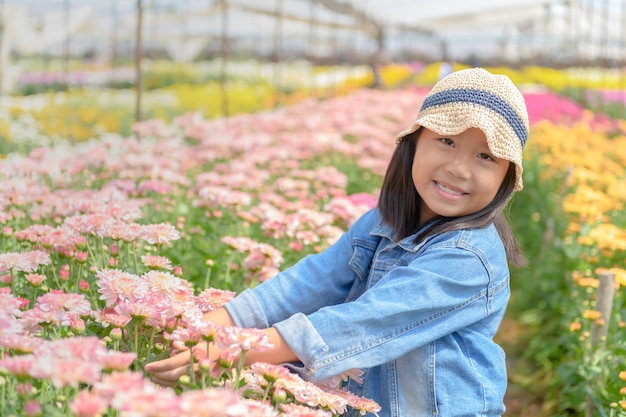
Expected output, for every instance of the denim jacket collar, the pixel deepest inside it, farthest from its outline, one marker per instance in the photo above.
(383, 229)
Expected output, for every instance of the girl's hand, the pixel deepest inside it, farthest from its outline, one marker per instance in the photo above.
(167, 371)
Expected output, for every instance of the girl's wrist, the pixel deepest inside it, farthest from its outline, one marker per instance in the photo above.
(219, 316)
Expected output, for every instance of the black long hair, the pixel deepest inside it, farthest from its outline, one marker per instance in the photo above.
(399, 204)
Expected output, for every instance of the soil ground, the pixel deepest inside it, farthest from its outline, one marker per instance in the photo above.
(520, 400)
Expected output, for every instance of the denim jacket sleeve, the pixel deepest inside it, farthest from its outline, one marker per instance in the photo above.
(316, 281)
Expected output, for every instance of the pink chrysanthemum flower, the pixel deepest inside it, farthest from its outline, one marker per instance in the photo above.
(115, 361)
(206, 329)
(270, 372)
(33, 233)
(189, 337)
(213, 402)
(166, 283)
(361, 404)
(260, 409)
(115, 285)
(156, 262)
(237, 339)
(64, 372)
(337, 380)
(215, 196)
(88, 404)
(174, 305)
(81, 348)
(240, 244)
(20, 344)
(120, 230)
(32, 408)
(274, 256)
(154, 402)
(9, 305)
(36, 317)
(61, 239)
(10, 325)
(151, 127)
(142, 311)
(126, 210)
(307, 237)
(159, 234)
(108, 316)
(12, 261)
(121, 382)
(297, 410)
(86, 223)
(68, 303)
(23, 261)
(154, 185)
(305, 392)
(19, 366)
(35, 279)
(212, 298)
(6, 279)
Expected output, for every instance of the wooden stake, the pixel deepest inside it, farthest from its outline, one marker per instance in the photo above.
(599, 332)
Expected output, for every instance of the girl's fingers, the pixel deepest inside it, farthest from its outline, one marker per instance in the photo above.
(178, 345)
(169, 378)
(173, 362)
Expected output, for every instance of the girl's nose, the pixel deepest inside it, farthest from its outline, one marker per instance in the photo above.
(459, 167)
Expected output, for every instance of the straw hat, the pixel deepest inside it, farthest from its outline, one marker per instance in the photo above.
(477, 98)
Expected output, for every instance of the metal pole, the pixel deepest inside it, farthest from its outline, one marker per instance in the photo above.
(312, 27)
(278, 53)
(223, 69)
(66, 45)
(138, 59)
(3, 44)
(113, 52)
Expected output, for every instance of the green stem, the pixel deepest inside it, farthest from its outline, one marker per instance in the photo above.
(207, 277)
(103, 260)
(192, 373)
(3, 386)
(267, 391)
(135, 263)
(239, 369)
(228, 260)
(136, 347)
(90, 251)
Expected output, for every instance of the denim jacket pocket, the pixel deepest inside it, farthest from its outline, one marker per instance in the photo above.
(362, 255)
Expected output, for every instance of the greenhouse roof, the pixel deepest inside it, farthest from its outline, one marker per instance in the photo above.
(479, 27)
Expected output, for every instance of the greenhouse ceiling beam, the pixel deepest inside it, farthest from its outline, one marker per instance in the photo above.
(294, 18)
(372, 26)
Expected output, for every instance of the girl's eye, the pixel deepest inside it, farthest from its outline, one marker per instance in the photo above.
(485, 156)
(447, 141)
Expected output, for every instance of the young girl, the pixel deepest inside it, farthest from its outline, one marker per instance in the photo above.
(414, 292)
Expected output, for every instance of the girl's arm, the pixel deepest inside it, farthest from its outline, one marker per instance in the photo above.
(168, 371)
(317, 281)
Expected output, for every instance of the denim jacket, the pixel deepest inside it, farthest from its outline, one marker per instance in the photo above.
(419, 320)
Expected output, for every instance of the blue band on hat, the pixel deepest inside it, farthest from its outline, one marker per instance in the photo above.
(483, 98)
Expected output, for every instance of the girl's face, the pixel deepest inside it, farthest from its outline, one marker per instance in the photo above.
(455, 175)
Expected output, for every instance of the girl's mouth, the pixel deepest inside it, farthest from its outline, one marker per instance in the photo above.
(449, 190)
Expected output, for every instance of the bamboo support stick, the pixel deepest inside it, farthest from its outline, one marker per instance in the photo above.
(604, 304)
(600, 328)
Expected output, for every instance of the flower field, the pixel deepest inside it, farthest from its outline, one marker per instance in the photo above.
(113, 247)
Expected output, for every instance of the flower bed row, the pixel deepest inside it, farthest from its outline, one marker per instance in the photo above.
(111, 249)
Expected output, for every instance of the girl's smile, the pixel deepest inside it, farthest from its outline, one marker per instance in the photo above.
(448, 191)
(455, 175)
